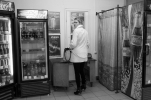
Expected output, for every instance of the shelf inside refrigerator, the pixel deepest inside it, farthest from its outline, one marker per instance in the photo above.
(33, 70)
(33, 50)
(32, 40)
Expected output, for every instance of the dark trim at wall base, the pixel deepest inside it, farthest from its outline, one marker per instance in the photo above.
(97, 77)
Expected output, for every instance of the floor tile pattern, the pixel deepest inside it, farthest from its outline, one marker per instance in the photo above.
(97, 92)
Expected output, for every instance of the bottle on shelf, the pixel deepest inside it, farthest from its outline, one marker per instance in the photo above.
(22, 33)
(41, 34)
(33, 34)
(30, 34)
(24, 70)
(6, 25)
(32, 70)
(3, 74)
(8, 79)
(7, 48)
(36, 34)
(39, 70)
(43, 68)
(28, 71)
(1, 50)
(1, 26)
(4, 48)
(36, 70)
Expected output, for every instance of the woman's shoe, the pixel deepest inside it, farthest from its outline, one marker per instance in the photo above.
(83, 87)
(78, 92)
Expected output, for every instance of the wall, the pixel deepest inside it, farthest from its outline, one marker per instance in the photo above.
(92, 6)
(132, 1)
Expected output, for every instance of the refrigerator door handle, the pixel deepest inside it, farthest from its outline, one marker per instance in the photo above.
(147, 48)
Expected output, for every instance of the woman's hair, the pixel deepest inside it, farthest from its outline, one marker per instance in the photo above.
(79, 20)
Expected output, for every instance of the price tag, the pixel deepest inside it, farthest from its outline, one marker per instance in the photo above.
(1, 67)
(25, 77)
(27, 50)
(32, 39)
(6, 66)
(43, 49)
(42, 77)
(46, 76)
(3, 83)
(11, 81)
(37, 61)
(29, 77)
(35, 77)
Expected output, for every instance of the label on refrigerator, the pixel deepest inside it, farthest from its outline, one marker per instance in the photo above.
(7, 6)
(32, 14)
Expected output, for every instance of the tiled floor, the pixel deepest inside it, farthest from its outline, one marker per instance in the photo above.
(97, 92)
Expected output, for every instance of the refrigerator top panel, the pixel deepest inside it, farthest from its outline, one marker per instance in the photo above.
(7, 6)
(147, 5)
(31, 14)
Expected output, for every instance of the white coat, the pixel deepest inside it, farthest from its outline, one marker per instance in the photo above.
(79, 44)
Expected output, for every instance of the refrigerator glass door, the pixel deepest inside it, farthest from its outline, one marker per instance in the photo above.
(148, 51)
(33, 50)
(6, 55)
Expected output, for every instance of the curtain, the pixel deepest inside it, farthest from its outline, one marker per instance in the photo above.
(107, 49)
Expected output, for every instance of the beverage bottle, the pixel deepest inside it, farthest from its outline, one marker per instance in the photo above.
(7, 48)
(24, 70)
(1, 26)
(126, 47)
(3, 73)
(3, 29)
(39, 70)
(30, 34)
(41, 34)
(43, 69)
(28, 71)
(22, 33)
(32, 70)
(8, 79)
(2, 49)
(5, 25)
(36, 69)
(33, 34)
(26, 34)
(136, 40)
(38, 34)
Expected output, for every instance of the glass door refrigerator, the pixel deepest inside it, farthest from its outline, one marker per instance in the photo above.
(34, 77)
(7, 46)
(146, 77)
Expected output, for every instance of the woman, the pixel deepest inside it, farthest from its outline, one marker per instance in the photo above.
(79, 45)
